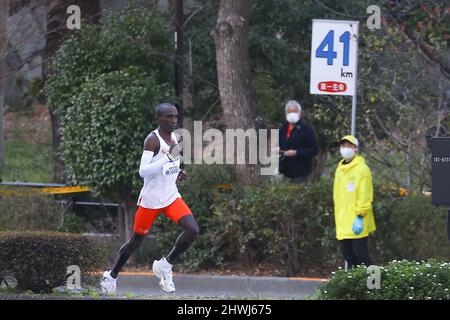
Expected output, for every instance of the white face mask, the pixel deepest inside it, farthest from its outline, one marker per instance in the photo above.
(292, 117)
(347, 153)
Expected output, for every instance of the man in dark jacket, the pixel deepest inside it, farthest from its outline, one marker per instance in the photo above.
(298, 145)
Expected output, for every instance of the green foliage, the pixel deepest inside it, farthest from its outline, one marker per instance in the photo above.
(32, 91)
(395, 111)
(201, 79)
(28, 147)
(409, 228)
(204, 185)
(39, 260)
(131, 37)
(27, 161)
(401, 113)
(73, 224)
(22, 210)
(279, 48)
(104, 85)
(291, 225)
(400, 280)
(104, 129)
(270, 99)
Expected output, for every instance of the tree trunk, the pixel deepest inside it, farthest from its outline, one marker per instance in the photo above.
(233, 71)
(56, 33)
(4, 10)
(319, 163)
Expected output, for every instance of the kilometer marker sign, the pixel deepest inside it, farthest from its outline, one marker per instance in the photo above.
(334, 54)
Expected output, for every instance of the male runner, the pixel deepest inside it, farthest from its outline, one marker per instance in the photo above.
(160, 168)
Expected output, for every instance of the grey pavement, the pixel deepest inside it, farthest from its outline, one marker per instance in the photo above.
(211, 286)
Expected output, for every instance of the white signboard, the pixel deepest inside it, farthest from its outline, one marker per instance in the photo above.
(334, 57)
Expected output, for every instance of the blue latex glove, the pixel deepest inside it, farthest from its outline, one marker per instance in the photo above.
(358, 225)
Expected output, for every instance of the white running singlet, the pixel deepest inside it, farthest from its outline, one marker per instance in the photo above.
(160, 189)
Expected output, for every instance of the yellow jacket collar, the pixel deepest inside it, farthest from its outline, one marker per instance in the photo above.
(356, 160)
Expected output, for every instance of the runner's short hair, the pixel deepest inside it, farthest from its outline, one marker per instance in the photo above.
(162, 108)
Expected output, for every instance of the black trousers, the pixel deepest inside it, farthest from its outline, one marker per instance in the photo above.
(356, 251)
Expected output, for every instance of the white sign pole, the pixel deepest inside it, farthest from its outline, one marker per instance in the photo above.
(353, 124)
(354, 114)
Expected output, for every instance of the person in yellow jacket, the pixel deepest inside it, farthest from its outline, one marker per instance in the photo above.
(352, 197)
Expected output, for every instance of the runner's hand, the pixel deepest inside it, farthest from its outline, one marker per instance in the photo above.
(175, 152)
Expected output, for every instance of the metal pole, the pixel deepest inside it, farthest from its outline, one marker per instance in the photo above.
(353, 125)
(179, 21)
(354, 114)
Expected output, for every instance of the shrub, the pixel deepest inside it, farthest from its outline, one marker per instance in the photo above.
(27, 210)
(291, 224)
(106, 80)
(400, 280)
(251, 224)
(73, 224)
(39, 260)
(409, 228)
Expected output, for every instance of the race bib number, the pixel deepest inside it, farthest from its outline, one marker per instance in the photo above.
(171, 168)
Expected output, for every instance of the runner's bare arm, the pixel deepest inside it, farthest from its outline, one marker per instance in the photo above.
(151, 143)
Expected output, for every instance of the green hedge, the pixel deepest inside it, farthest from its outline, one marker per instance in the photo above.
(399, 280)
(409, 228)
(39, 260)
(280, 223)
(23, 209)
(292, 226)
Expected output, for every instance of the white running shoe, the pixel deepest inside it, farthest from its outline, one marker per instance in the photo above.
(163, 270)
(108, 283)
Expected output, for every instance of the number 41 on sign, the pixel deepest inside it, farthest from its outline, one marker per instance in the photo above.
(334, 51)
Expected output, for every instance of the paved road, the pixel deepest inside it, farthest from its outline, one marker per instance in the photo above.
(140, 285)
(209, 286)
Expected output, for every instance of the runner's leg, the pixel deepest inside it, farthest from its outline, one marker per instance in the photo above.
(186, 238)
(180, 213)
(142, 222)
(125, 252)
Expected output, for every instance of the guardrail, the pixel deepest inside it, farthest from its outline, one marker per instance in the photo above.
(53, 189)
(47, 188)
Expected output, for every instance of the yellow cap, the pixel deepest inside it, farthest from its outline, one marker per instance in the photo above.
(350, 139)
